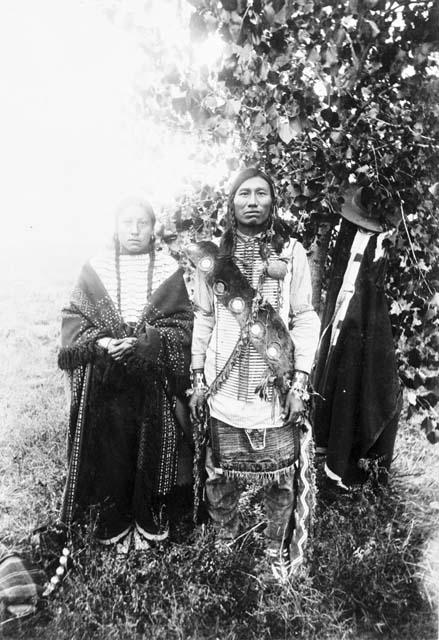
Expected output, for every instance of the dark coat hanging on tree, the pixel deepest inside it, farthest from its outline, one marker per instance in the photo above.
(356, 417)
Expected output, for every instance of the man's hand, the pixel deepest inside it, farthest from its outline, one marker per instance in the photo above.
(197, 404)
(198, 397)
(120, 349)
(293, 408)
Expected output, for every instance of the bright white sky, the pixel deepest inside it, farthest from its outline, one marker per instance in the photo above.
(71, 144)
(66, 73)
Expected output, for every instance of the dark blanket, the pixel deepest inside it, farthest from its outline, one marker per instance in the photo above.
(356, 418)
(108, 396)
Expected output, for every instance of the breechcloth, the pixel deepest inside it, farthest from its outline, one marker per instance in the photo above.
(261, 456)
(256, 455)
(222, 497)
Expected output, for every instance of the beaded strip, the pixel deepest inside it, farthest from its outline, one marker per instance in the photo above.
(71, 486)
(59, 573)
(200, 437)
(72, 480)
(305, 504)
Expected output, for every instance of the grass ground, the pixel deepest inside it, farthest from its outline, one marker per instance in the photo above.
(374, 568)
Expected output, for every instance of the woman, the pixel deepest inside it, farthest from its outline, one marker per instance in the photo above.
(126, 345)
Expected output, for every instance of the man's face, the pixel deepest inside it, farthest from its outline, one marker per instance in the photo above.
(252, 203)
(134, 229)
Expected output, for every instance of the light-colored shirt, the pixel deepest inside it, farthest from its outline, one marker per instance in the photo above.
(216, 332)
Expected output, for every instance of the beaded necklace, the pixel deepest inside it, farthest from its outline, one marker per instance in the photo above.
(119, 280)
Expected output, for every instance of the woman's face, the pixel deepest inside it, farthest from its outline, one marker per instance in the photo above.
(135, 228)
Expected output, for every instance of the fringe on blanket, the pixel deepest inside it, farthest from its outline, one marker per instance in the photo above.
(71, 357)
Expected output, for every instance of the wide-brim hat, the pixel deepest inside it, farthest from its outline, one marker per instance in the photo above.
(355, 210)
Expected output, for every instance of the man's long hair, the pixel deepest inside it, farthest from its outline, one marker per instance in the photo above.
(275, 233)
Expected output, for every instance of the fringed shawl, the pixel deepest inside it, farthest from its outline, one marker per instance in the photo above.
(158, 369)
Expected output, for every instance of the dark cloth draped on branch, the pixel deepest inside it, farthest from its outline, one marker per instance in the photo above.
(357, 416)
(144, 396)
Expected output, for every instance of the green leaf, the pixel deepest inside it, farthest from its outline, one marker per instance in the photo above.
(289, 129)
(233, 107)
(286, 133)
(373, 28)
(331, 55)
(434, 189)
(281, 16)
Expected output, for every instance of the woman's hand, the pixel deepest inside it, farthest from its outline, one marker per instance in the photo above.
(104, 343)
(121, 348)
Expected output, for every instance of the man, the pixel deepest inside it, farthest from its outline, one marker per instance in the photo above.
(255, 334)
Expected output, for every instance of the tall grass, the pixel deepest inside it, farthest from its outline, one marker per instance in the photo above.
(371, 571)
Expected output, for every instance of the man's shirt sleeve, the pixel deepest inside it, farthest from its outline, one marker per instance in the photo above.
(304, 322)
(204, 320)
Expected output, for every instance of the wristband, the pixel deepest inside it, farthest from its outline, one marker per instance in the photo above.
(199, 382)
(299, 380)
(299, 384)
(199, 385)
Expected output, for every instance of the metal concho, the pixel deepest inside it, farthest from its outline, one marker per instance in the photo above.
(206, 264)
(257, 330)
(219, 288)
(274, 351)
(237, 305)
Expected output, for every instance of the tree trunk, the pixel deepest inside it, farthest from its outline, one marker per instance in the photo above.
(317, 258)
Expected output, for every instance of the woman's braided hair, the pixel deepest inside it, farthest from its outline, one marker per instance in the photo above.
(117, 269)
(276, 232)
